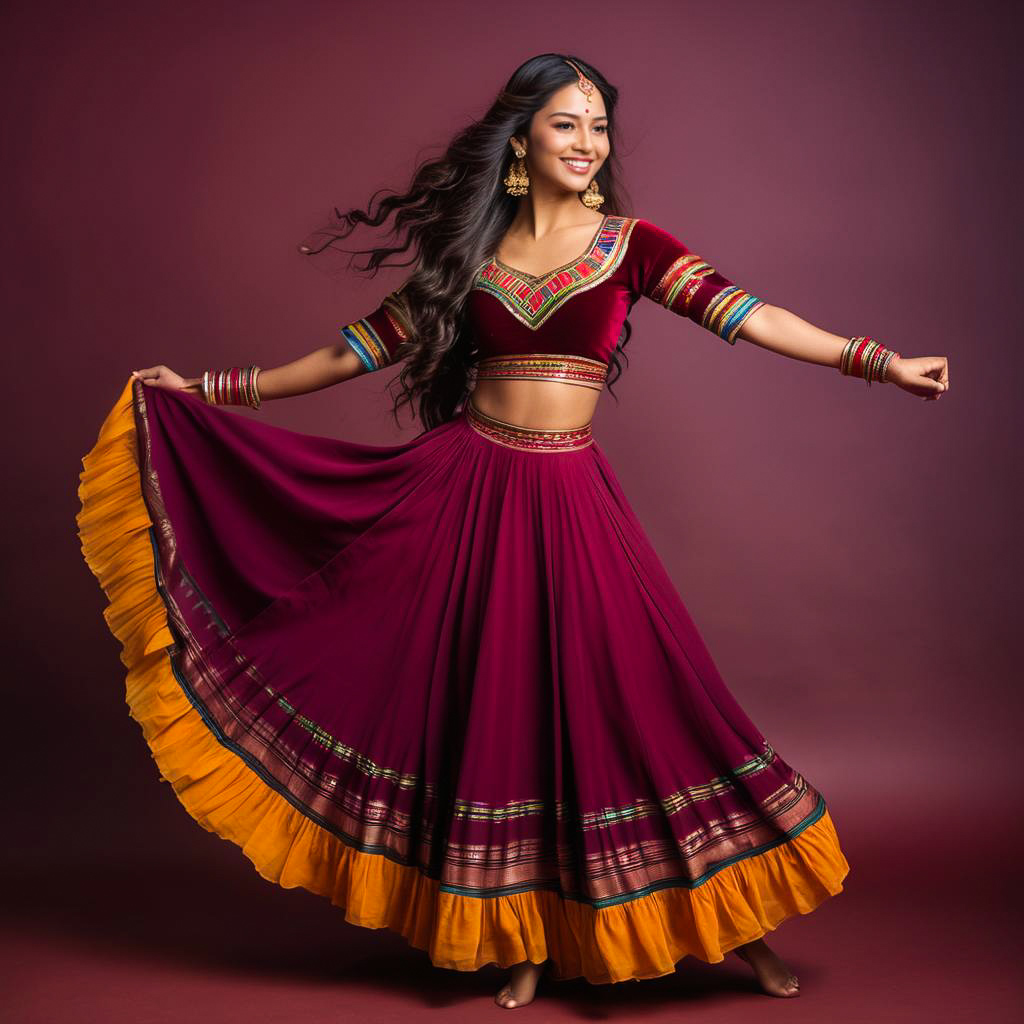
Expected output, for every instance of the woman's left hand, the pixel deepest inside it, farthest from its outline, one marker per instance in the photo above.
(925, 376)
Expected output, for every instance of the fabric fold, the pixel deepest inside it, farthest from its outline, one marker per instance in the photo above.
(642, 937)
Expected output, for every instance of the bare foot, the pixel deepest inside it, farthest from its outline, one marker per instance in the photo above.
(772, 974)
(521, 986)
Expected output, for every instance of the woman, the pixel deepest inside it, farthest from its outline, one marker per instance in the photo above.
(448, 684)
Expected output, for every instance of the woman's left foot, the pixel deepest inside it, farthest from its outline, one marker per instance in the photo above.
(521, 986)
(773, 975)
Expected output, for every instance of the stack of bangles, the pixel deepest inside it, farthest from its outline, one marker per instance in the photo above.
(867, 358)
(234, 386)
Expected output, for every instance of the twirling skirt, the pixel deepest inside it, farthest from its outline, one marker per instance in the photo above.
(446, 684)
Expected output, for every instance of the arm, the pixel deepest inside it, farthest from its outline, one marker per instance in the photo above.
(779, 330)
(670, 274)
(319, 369)
(366, 345)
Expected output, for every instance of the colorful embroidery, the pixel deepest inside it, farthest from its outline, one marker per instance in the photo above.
(567, 369)
(397, 311)
(725, 313)
(366, 343)
(682, 279)
(531, 300)
(531, 439)
(365, 339)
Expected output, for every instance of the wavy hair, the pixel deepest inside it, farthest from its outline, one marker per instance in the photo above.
(453, 216)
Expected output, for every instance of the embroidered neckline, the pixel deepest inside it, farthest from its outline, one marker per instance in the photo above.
(548, 274)
(531, 300)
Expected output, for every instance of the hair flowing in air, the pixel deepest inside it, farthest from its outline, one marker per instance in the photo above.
(452, 217)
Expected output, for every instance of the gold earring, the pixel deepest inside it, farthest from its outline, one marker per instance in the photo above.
(591, 197)
(517, 181)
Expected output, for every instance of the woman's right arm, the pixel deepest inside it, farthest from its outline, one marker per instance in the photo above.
(320, 369)
(368, 344)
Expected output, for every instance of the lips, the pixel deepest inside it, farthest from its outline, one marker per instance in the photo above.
(579, 166)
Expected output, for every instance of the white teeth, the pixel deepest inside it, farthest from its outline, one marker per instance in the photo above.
(581, 164)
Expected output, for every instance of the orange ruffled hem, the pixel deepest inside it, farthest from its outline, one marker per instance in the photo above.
(643, 938)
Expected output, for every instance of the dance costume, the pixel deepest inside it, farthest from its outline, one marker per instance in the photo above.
(448, 684)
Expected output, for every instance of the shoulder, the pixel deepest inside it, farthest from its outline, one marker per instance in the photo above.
(649, 243)
(648, 232)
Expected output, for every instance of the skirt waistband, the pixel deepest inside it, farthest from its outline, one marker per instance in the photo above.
(565, 368)
(530, 439)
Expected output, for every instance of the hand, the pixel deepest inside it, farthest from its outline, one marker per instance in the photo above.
(164, 377)
(926, 376)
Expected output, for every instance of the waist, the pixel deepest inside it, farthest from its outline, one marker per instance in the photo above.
(566, 369)
(533, 439)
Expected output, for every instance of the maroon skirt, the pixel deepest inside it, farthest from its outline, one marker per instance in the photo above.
(446, 684)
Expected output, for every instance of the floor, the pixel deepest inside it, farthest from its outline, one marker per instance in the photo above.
(149, 943)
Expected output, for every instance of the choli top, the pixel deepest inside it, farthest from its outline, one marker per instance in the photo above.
(569, 319)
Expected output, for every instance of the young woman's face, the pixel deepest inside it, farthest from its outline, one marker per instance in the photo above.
(568, 139)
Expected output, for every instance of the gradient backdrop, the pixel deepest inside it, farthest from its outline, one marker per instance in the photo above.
(851, 555)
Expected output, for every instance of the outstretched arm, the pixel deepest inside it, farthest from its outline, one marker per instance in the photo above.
(669, 273)
(782, 331)
(366, 345)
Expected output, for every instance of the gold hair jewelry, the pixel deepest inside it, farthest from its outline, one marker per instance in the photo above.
(517, 181)
(592, 198)
(586, 86)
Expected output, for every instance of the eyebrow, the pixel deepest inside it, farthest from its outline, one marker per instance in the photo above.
(565, 113)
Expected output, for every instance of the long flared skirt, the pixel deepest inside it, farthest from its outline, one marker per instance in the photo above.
(446, 684)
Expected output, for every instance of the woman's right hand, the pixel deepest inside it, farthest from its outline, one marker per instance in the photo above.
(164, 377)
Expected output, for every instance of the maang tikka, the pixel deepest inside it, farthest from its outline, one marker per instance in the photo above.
(517, 181)
(591, 197)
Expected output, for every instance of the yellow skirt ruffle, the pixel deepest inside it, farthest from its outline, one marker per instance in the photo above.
(643, 938)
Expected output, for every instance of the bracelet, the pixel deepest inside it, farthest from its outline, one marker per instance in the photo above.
(234, 386)
(864, 357)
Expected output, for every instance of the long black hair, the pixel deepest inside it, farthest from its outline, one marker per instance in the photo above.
(453, 216)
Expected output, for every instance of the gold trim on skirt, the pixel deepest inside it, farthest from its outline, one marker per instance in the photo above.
(529, 439)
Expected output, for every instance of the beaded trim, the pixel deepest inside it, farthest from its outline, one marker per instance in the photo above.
(529, 439)
(726, 312)
(532, 299)
(366, 343)
(567, 369)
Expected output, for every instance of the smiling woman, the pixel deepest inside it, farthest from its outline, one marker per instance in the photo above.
(448, 684)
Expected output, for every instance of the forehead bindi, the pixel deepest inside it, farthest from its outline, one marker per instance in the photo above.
(570, 101)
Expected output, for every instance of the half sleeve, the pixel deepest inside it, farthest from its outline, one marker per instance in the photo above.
(376, 337)
(667, 272)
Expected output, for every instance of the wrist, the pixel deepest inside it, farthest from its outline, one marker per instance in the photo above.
(891, 369)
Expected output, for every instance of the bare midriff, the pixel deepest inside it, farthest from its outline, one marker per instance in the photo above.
(536, 404)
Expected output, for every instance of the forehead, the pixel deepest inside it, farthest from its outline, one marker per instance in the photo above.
(571, 99)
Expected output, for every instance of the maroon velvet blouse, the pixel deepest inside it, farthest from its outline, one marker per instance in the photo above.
(577, 309)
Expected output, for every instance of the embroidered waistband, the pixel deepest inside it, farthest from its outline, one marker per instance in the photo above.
(568, 369)
(531, 439)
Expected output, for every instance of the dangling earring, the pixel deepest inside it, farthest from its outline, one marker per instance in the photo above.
(517, 181)
(591, 198)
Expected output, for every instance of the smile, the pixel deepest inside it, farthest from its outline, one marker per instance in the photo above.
(579, 166)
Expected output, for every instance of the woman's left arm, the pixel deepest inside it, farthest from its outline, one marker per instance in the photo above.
(782, 331)
(666, 271)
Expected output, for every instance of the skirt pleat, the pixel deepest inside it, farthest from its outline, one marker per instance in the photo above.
(446, 684)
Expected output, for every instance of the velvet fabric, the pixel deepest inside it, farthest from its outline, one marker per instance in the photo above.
(578, 308)
(446, 683)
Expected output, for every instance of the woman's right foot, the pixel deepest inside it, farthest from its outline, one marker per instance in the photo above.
(773, 975)
(521, 985)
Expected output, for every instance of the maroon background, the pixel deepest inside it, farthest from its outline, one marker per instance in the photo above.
(851, 554)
